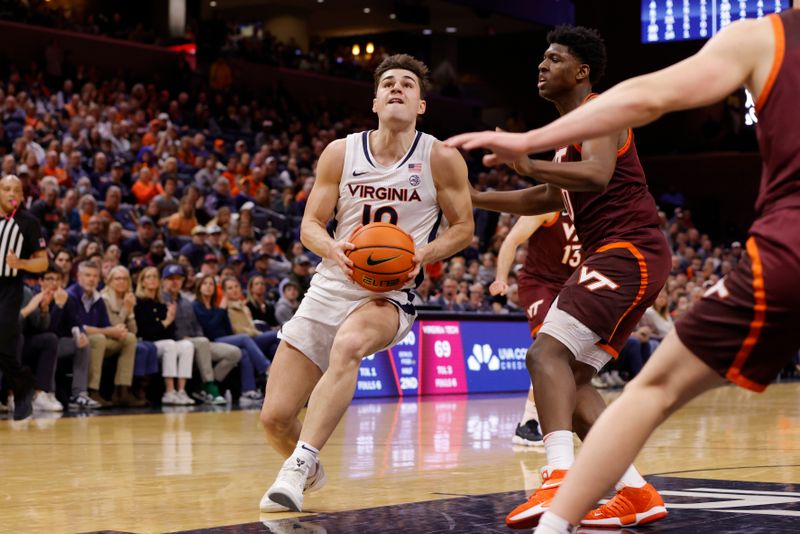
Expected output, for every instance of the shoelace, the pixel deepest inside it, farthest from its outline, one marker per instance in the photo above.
(618, 506)
(294, 474)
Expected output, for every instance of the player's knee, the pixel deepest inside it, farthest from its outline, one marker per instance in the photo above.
(537, 358)
(347, 350)
(275, 422)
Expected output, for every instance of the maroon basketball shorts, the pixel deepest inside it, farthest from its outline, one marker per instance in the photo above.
(747, 327)
(536, 298)
(614, 286)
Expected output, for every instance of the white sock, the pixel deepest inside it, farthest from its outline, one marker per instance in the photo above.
(631, 478)
(309, 453)
(530, 412)
(550, 523)
(560, 449)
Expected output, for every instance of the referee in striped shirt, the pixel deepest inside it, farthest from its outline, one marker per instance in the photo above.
(22, 248)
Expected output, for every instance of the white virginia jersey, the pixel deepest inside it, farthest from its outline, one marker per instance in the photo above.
(403, 194)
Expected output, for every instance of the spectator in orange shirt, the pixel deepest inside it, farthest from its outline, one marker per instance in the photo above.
(150, 137)
(181, 223)
(232, 175)
(52, 168)
(87, 207)
(145, 188)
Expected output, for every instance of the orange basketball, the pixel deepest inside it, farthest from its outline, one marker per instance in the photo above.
(383, 257)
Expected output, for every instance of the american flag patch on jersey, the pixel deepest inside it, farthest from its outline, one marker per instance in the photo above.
(415, 167)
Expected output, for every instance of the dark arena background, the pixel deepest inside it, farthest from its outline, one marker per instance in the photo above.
(180, 139)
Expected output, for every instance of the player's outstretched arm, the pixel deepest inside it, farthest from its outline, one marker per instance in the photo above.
(523, 229)
(529, 201)
(321, 202)
(452, 194)
(727, 61)
(592, 173)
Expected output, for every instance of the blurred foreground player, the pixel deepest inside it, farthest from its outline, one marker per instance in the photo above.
(627, 260)
(553, 253)
(22, 248)
(393, 174)
(745, 328)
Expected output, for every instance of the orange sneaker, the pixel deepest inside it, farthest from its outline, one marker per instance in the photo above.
(527, 515)
(629, 507)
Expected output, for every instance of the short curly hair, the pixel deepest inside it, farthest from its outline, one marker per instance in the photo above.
(406, 62)
(586, 44)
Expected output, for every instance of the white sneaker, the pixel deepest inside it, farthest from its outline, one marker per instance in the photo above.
(171, 398)
(313, 484)
(599, 382)
(82, 401)
(251, 398)
(42, 403)
(185, 399)
(56, 403)
(615, 380)
(292, 482)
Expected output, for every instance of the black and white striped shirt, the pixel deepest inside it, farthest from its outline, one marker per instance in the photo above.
(22, 235)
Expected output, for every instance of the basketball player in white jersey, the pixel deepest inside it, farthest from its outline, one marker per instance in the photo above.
(393, 174)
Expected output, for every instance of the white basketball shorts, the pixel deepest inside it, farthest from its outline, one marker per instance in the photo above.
(326, 305)
(576, 336)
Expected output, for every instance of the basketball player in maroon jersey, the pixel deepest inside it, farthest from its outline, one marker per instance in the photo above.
(745, 328)
(627, 260)
(553, 253)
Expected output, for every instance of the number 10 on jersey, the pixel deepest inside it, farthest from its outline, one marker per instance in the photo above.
(367, 216)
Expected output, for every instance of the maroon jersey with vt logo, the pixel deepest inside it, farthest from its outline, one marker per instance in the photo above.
(624, 208)
(778, 110)
(554, 251)
(746, 326)
(626, 258)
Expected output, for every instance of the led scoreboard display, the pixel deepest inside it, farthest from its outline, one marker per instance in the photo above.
(446, 357)
(681, 20)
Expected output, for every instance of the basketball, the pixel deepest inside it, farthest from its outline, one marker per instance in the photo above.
(383, 257)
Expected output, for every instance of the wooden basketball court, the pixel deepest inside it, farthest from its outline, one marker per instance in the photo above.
(191, 470)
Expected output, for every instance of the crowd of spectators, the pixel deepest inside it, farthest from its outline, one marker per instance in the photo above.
(68, 16)
(248, 41)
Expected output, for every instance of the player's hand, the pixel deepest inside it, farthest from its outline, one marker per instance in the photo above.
(498, 288)
(13, 261)
(337, 252)
(60, 297)
(419, 262)
(519, 164)
(505, 147)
